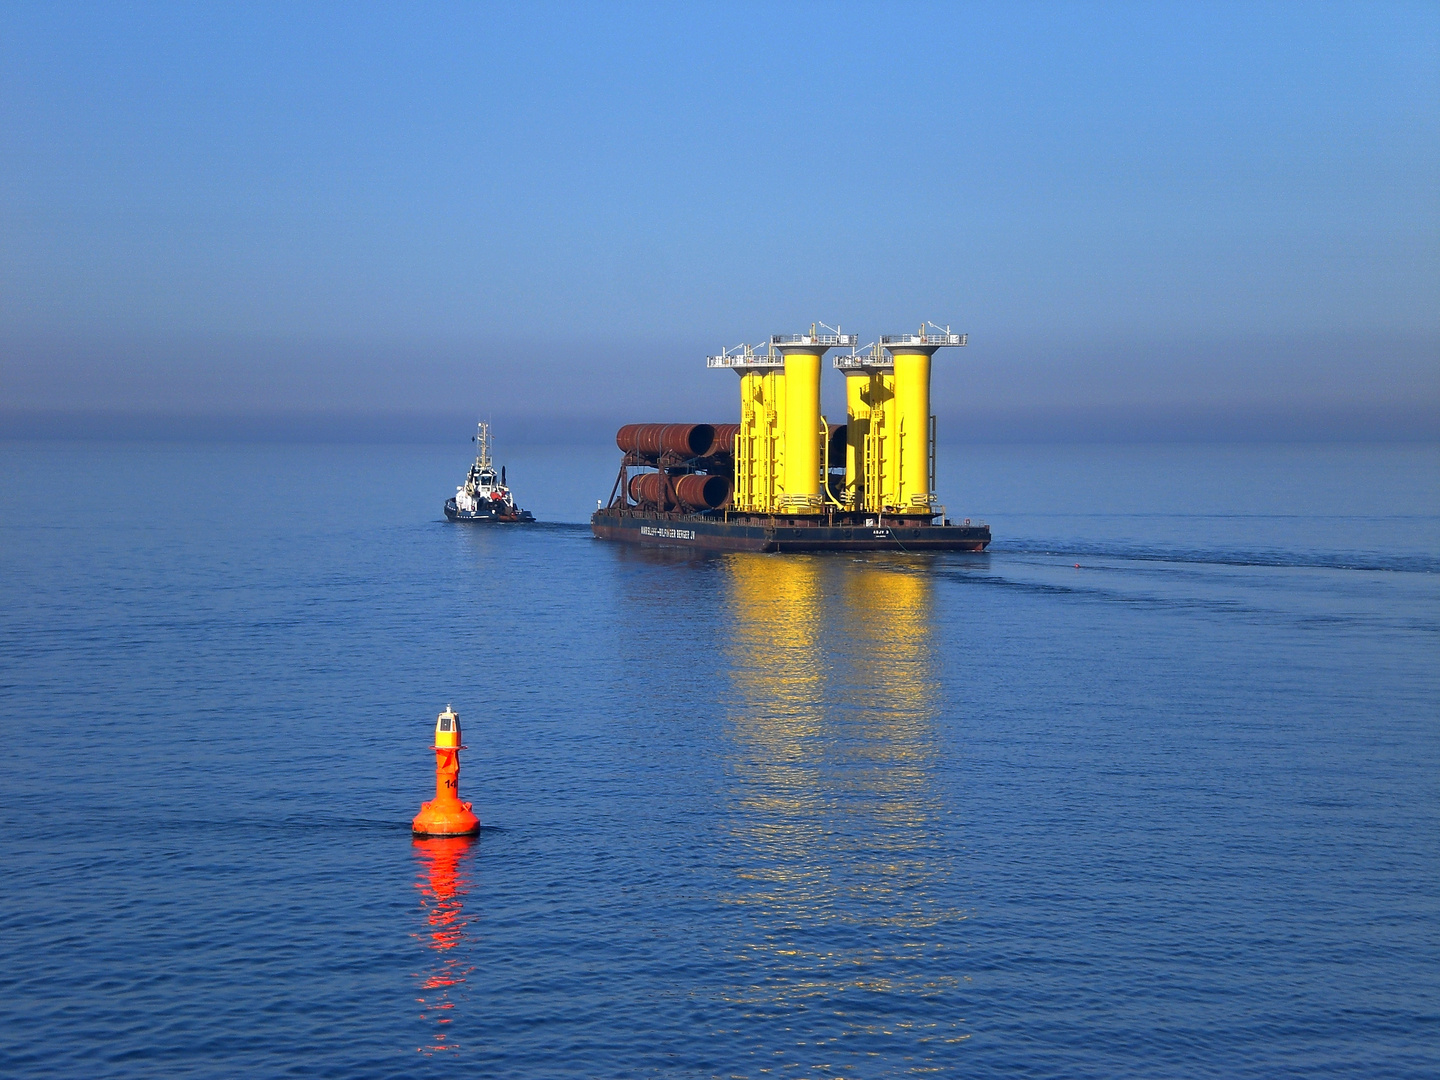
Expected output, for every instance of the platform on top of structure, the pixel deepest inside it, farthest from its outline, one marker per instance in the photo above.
(893, 341)
(873, 357)
(823, 341)
(745, 356)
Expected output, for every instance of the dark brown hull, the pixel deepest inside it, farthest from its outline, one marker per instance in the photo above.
(839, 532)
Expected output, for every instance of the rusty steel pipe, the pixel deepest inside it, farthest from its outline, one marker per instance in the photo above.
(725, 438)
(702, 492)
(692, 491)
(653, 440)
(645, 488)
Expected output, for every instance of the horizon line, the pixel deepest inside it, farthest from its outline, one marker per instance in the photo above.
(1418, 423)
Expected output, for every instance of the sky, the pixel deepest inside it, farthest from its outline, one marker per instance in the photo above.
(1147, 217)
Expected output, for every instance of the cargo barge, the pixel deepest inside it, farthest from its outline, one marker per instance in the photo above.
(785, 479)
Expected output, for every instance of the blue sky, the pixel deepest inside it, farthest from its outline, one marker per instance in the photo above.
(557, 210)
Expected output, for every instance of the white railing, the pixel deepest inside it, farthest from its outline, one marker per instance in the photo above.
(829, 341)
(862, 361)
(743, 355)
(744, 360)
(876, 355)
(889, 341)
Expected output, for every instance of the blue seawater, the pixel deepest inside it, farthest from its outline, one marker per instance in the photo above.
(1174, 811)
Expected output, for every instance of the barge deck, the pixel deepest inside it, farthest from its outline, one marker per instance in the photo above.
(732, 531)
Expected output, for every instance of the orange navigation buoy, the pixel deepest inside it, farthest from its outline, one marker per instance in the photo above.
(446, 815)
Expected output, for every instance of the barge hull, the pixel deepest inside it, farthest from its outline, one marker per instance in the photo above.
(776, 534)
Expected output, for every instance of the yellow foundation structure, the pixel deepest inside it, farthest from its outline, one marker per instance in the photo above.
(778, 450)
(890, 454)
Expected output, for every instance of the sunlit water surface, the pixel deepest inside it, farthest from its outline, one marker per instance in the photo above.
(1172, 812)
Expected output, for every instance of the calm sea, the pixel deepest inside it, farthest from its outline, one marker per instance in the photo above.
(1174, 811)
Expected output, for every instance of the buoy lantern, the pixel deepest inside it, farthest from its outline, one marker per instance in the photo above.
(446, 815)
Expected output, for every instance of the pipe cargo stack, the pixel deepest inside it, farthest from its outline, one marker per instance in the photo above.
(692, 491)
(784, 478)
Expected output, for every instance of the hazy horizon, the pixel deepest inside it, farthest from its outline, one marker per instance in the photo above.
(1149, 220)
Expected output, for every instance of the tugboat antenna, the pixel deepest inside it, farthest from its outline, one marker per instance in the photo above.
(482, 444)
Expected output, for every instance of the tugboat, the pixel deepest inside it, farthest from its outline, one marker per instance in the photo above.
(484, 496)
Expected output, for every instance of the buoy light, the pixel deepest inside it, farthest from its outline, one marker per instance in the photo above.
(447, 729)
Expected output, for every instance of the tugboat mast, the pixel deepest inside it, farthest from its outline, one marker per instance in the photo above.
(482, 444)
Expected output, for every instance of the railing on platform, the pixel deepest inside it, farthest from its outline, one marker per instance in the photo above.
(829, 341)
(891, 341)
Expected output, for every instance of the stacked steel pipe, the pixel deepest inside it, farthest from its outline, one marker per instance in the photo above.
(657, 440)
(706, 448)
(693, 491)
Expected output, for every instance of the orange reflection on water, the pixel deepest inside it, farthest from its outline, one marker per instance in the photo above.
(443, 883)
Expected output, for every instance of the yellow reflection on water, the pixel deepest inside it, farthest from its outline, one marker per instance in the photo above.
(843, 866)
(443, 883)
(885, 621)
(775, 611)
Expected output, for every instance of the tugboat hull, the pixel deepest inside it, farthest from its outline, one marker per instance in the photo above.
(487, 515)
(750, 532)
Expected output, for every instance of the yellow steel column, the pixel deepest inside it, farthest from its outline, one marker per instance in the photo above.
(912, 400)
(779, 391)
(802, 432)
(747, 444)
(857, 423)
(757, 467)
(772, 475)
(880, 483)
